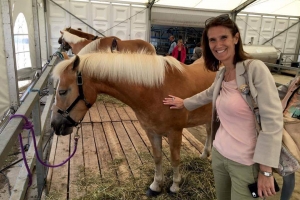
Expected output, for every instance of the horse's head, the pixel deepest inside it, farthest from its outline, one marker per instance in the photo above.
(74, 96)
(65, 46)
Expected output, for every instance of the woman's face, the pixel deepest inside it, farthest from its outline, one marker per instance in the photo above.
(179, 43)
(222, 43)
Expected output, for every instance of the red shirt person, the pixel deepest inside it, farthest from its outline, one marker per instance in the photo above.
(179, 51)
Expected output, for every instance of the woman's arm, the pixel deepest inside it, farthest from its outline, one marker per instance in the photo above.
(269, 140)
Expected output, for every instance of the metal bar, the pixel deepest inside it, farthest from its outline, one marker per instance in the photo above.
(42, 81)
(36, 34)
(15, 126)
(280, 33)
(10, 53)
(297, 50)
(284, 67)
(242, 6)
(40, 169)
(290, 54)
(77, 17)
(21, 184)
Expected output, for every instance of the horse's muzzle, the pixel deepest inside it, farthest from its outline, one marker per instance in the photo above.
(61, 126)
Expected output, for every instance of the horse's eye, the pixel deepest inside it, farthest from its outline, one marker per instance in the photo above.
(62, 92)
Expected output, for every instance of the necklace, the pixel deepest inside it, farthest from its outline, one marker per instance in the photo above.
(228, 75)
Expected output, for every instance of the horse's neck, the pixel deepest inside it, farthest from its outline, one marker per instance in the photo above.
(129, 94)
(83, 34)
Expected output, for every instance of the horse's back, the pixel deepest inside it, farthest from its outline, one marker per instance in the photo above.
(137, 44)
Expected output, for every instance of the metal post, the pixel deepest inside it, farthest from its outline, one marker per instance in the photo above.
(40, 170)
(10, 54)
(149, 6)
(36, 34)
(297, 50)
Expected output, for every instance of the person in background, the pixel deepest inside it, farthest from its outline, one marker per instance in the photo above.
(197, 52)
(292, 110)
(240, 157)
(172, 45)
(179, 51)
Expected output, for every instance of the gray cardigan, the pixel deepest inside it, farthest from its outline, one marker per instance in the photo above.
(264, 91)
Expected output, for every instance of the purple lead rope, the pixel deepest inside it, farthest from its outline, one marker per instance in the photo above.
(28, 125)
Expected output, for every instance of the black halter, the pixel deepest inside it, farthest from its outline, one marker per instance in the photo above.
(66, 113)
(95, 37)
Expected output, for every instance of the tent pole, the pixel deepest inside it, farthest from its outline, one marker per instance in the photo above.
(10, 54)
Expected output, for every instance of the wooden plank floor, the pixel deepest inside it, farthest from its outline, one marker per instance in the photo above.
(109, 133)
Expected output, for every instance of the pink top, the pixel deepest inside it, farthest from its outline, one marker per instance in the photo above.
(236, 137)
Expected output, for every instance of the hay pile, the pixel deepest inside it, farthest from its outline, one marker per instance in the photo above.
(197, 182)
(197, 178)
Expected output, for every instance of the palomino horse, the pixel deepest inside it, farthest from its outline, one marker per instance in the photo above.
(79, 33)
(77, 43)
(141, 81)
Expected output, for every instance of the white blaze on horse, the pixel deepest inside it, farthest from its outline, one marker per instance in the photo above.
(141, 81)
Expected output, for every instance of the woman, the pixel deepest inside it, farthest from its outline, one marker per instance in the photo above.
(179, 51)
(240, 157)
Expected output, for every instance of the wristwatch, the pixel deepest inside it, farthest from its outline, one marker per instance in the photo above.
(267, 174)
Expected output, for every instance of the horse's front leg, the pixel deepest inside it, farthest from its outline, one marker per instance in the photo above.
(155, 187)
(207, 148)
(175, 139)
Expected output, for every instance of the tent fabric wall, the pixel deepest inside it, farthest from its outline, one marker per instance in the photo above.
(25, 7)
(124, 21)
(4, 91)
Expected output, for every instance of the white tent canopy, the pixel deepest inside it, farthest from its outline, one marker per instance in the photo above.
(274, 7)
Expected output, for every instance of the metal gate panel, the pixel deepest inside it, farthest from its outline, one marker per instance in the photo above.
(241, 23)
(120, 18)
(278, 41)
(100, 17)
(253, 29)
(291, 38)
(55, 11)
(121, 32)
(56, 24)
(101, 27)
(267, 29)
(138, 23)
(81, 10)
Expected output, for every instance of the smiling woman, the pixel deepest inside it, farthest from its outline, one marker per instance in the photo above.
(249, 158)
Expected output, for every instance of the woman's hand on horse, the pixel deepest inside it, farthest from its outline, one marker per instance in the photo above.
(174, 102)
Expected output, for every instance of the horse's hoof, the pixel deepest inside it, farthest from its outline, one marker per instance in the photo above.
(172, 194)
(151, 193)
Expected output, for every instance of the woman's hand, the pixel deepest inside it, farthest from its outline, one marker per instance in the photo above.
(265, 184)
(173, 102)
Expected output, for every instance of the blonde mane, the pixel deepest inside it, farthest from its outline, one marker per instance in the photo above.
(90, 48)
(70, 38)
(137, 68)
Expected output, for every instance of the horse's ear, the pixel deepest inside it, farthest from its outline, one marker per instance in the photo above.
(76, 62)
(114, 45)
(61, 32)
